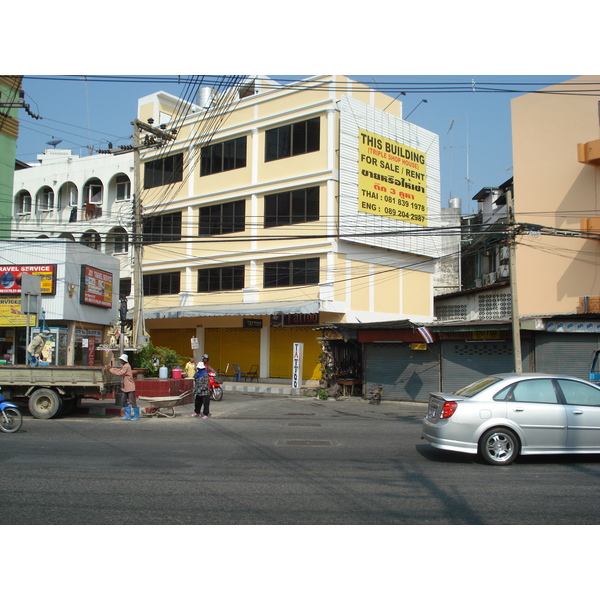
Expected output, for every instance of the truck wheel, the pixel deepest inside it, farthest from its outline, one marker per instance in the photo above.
(44, 403)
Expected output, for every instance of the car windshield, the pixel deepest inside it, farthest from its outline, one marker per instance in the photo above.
(477, 386)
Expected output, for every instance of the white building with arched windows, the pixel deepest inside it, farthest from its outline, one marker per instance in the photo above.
(85, 199)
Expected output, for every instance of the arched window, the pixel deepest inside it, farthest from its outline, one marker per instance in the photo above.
(93, 193)
(91, 239)
(68, 195)
(23, 203)
(45, 199)
(123, 188)
(117, 241)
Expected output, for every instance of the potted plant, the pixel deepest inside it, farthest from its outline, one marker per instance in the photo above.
(151, 358)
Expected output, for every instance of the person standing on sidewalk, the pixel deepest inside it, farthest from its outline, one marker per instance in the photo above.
(202, 395)
(127, 388)
(190, 368)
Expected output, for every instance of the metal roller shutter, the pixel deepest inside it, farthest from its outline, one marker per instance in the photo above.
(405, 374)
(464, 362)
(565, 353)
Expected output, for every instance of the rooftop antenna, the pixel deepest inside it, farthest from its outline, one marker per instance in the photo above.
(469, 180)
(451, 148)
(53, 142)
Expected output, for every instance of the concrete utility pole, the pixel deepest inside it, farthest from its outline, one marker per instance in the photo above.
(512, 243)
(155, 137)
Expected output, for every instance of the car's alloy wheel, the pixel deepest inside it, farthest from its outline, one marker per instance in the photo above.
(499, 446)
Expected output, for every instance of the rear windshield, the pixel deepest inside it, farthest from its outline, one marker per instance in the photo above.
(477, 386)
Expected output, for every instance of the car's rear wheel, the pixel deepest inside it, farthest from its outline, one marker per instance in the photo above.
(499, 446)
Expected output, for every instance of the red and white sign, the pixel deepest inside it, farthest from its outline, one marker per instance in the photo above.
(96, 287)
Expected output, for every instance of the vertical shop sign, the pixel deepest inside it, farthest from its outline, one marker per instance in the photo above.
(297, 354)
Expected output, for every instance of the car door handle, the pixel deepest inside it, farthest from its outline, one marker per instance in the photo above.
(518, 409)
(577, 412)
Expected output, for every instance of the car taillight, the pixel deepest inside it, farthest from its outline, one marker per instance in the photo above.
(448, 409)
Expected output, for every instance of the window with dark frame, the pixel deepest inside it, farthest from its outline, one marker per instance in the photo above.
(291, 207)
(293, 139)
(160, 284)
(218, 219)
(223, 156)
(162, 228)
(219, 279)
(163, 171)
(287, 273)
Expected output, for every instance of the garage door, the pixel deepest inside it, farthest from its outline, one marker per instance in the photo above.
(405, 374)
(464, 362)
(565, 353)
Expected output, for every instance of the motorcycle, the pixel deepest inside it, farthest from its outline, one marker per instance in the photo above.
(10, 416)
(214, 387)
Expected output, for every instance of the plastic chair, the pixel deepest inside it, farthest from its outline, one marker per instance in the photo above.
(252, 373)
(223, 374)
(238, 373)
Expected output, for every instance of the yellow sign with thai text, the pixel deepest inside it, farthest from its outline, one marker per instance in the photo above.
(11, 316)
(391, 179)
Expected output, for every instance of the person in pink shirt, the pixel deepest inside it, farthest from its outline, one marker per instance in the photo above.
(127, 387)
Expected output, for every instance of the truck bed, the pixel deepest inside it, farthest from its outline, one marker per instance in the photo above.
(47, 376)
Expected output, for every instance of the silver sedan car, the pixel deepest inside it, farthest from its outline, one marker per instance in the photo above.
(502, 416)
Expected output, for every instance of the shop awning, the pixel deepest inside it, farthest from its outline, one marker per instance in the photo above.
(246, 308)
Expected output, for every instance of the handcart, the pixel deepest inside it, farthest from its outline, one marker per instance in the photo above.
(164, 406)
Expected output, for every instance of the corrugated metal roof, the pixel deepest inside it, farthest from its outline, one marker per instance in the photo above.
(246, 308)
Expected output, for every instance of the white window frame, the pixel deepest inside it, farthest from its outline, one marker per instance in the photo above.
(45, 201)
(127, 189)
(91, 187)
(21, 204)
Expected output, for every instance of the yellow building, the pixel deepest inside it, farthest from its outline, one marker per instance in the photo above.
(280, 208)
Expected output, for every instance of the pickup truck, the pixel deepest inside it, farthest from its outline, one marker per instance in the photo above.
(53, 390)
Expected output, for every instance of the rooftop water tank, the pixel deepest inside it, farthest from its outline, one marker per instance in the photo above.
(206, 97)
(454, 202)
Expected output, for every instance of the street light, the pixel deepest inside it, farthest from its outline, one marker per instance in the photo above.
(415, 108)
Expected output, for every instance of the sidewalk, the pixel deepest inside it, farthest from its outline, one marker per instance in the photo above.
(109, 408)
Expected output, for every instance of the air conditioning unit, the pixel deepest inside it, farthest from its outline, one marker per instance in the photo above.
(478, 283)
(503, 271)
(489, 278)
(504, 253)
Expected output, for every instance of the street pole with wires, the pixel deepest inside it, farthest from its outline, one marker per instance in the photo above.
(154, 137)
(512, 243)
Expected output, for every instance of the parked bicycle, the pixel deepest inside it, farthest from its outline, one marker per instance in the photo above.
(10, 416)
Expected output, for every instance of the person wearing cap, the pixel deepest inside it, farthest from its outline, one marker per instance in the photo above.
(202, 395)
(36, 346)
(127, 387)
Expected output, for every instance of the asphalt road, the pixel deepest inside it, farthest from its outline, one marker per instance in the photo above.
(271, 460)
